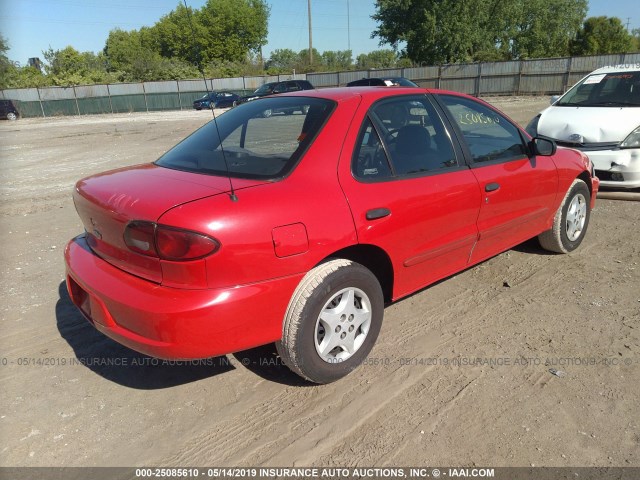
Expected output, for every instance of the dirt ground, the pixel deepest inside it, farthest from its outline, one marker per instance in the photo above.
(459, 376)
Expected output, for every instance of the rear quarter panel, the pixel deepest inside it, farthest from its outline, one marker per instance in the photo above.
(310, 195)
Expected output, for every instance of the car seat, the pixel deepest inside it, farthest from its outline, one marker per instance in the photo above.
(412, 148)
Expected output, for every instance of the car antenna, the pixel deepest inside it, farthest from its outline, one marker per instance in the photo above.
(197, 55)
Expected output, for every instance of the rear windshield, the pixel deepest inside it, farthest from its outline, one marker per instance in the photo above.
(262, 139)
(616, 89)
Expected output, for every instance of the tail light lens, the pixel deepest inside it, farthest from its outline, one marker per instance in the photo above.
(140, 238)
(176, 244)
(168, 243)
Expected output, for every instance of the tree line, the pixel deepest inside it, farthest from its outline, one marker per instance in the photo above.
(224, 38)
(451, 31)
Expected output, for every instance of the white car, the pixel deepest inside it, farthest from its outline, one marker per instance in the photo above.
(600, 115)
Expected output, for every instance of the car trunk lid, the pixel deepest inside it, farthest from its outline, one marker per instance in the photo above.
(107, 202)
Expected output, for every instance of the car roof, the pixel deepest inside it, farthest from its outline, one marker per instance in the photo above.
(618, 68)
(371, 93)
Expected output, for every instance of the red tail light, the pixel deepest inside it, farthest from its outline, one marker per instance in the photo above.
(168, 243)
(176, 244)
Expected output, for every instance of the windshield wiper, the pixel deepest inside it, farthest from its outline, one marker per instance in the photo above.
(568, 104)
(613, 104)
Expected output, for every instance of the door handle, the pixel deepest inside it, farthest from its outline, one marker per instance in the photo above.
(376, 213)
(491, 187)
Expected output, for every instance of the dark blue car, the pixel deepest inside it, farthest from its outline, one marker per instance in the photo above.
(216, 100)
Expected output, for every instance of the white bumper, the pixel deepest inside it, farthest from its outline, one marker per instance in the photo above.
(617, 168)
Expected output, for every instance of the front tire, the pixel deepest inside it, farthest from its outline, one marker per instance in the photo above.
(571, 220)
(11, 116)
(332, 321)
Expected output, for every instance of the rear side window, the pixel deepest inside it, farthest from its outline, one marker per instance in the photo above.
(489, 135)
(280, 88)
(258, 139)
(402, 136)
(292, 87)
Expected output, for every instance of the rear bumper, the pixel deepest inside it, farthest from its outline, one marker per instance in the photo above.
(174, 323)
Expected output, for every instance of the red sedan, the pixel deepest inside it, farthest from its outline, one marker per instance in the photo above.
(298, 229)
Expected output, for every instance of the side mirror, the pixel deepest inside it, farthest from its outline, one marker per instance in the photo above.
(543, 146)
(554, 99)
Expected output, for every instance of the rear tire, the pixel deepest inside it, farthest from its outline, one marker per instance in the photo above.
(11, 116)
(570, 222)
(332, 321)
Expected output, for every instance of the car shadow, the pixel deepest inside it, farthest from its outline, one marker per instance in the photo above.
(122, 365)
(532, 246)
(265, 363)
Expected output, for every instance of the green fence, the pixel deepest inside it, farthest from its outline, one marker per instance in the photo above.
(517, 77)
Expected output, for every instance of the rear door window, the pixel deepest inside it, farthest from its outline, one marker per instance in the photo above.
(403, 136)
(370, 159)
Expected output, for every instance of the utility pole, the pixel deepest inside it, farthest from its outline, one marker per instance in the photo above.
(310, 36)
(348, 28)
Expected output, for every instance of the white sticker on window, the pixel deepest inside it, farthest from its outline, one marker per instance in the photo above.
(594, 79)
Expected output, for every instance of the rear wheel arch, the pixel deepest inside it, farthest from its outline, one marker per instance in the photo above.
(373, 258)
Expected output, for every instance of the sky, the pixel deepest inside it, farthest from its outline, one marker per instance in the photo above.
(31, 26)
